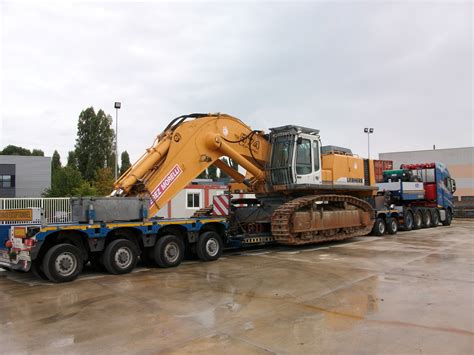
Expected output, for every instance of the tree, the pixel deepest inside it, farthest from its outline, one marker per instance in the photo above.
(110, 163)
(125, 162)
(71, 160)
(94, 143)
(84, 189)
(212, 172)
(222, 173)
(104, 181)
(63, 183)
(15, 150)
(234, 165)
(55, 161)
(203, 174)
(37, 153)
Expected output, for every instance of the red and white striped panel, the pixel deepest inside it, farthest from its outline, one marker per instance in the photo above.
(220, 205)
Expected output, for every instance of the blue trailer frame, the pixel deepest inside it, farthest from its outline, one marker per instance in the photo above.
(94, 237)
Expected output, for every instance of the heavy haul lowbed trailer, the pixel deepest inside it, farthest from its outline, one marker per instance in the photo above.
(59, 252)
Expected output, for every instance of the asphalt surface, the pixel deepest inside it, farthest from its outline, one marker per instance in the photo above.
(412, 293)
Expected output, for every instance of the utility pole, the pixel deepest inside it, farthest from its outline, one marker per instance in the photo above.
(117, 106)
(369, 131)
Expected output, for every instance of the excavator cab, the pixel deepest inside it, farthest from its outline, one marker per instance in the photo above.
(295, 157)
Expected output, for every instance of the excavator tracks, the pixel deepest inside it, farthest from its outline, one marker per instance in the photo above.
(320, 218)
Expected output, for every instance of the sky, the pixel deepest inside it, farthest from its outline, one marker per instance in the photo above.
(404, 68)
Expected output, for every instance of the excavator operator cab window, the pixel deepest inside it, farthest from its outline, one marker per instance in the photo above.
(303, 156)
(316, 155)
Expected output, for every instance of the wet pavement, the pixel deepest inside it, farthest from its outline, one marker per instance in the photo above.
(413, 293)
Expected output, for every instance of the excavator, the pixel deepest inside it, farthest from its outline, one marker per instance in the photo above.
(304, 192)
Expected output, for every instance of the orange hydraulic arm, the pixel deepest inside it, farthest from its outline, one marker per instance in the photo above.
(186, 148)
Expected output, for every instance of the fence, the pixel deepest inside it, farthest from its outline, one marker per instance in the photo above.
(56, 210)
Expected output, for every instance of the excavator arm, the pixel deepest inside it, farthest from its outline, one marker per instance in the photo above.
(188, 146)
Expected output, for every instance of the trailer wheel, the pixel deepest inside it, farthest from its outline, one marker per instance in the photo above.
(63, 263)
(120, 256)
(379, 227)
(147, 257)
(168, 251)
(36, 270)
(408, 220)
(449, 218)
(209, 246)
(392, 225)
(426, 218)
(96, 262)
(435, 219)
(417, 219)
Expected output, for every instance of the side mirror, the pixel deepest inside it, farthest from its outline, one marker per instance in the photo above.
(453, 186)
(299, 140)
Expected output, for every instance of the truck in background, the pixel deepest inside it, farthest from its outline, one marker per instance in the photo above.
(421, 193)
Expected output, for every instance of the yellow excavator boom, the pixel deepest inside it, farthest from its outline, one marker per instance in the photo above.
(186, 148)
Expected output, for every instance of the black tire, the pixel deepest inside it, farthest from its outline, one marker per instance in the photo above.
(169, 251)
(147, 257)
(417, 219)
(95, 259)
(120, 257)
(435, 218)
(392, 225)
(37, 271)
(449, 218)
(63, 263)
(209, 246)
(408, 220)
(426, 218)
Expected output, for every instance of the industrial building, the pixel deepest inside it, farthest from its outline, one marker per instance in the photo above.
(24, 176)
(460, 163)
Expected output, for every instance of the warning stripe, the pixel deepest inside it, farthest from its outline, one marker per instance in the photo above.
(221, 205)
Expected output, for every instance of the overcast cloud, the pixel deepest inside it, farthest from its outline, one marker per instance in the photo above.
(404, 68)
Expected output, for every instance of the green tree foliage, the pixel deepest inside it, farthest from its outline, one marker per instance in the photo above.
(234, 164)
(94, 143)
(104, 181)
(15, 150)
(111, 162)
(37, 153)
(55, 162)
(84, 189)
(212, 172)
(203, 175)
(63, 183)
(125, 162)
(71, 160)
(222, 174)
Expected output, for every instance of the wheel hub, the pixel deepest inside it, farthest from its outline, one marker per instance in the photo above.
(65, 264)
(123, 257)
(171, 252)
(212, 247)
(382, 228)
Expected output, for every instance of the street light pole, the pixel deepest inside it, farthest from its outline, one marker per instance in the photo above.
(369, 131)
(117, 106)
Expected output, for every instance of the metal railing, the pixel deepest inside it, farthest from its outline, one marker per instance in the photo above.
(56, 209)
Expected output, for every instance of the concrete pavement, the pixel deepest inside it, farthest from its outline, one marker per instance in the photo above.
(412, 293)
